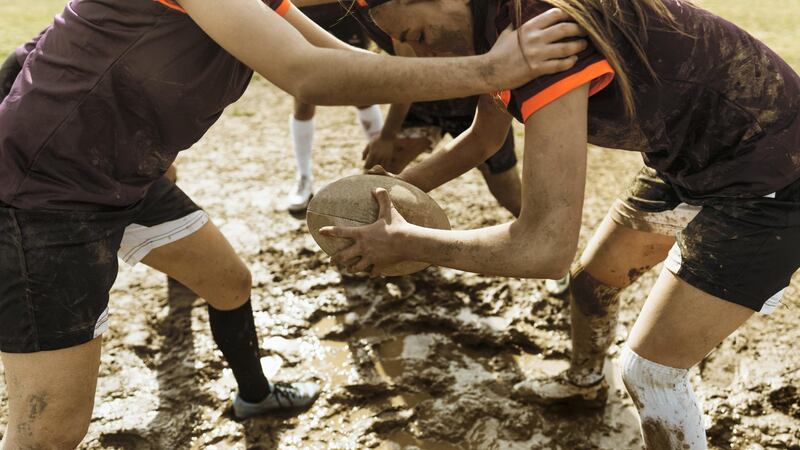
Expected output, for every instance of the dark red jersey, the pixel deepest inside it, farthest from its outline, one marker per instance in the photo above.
(721, 119)
(107, 97)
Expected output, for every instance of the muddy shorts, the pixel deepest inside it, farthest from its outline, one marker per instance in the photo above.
(420, 125)
(57, 267)
(740, 250)
(337, 20)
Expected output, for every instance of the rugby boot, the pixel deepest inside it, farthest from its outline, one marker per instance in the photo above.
(298, 199)
(282, 397)
(560, 389)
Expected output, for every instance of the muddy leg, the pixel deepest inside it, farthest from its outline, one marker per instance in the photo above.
(614, 258)
(207, 264)
(50, 396)
(678, 326)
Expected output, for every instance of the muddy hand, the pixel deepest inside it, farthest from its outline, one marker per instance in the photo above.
(379, 151)
(376, 245)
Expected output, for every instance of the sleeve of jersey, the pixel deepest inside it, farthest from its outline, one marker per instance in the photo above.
(592, 68)
(25, 49)
(280, 6)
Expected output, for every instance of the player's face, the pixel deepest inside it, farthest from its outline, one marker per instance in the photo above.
(430, 27)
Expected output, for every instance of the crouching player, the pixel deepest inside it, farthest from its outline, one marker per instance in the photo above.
(714, 113)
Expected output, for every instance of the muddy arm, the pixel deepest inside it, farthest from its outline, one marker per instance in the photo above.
(467, 151)
(264, 41)
(541, 243)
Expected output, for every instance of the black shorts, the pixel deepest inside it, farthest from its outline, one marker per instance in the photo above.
(740, 250)
(503, 160)
(338, 21)
(57, 267)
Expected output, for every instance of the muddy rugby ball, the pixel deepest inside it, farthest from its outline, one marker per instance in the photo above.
(348, 202)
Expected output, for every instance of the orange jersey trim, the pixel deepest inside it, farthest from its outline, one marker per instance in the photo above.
(599, 74)
(282, 9)
(171, 5)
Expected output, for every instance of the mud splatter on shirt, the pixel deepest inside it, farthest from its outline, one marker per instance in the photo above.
(107, 97)
(720, 121)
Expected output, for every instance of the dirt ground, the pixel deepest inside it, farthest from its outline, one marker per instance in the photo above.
(420, 362)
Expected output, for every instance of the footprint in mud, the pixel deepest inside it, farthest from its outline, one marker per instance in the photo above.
(125, 440)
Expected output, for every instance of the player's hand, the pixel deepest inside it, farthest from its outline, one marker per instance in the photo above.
(540, 47)
(8, 74)
(379, 151)
(375, 246)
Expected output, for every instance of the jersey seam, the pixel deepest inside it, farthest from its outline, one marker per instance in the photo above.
(72, 112)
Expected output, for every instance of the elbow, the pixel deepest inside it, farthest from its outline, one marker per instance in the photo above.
(556, 266)
(306, 91)
(545, 267)
(302, 82)
(549, 258)
(490, 142)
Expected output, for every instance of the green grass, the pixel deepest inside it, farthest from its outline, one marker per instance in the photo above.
(773, 21)
(22, 19)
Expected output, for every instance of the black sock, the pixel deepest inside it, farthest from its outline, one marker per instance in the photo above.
(235, 334)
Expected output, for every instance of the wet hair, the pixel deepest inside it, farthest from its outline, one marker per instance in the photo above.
(602, 19)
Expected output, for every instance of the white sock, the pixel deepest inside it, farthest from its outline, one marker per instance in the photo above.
(302, 132)
(670, 414)
(371, 121)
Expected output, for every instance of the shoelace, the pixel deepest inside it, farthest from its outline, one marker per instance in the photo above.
(285, 391)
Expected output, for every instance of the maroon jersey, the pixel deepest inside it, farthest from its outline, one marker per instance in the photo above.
(107, 97)
(720, 120)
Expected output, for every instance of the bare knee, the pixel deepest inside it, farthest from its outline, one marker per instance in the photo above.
(237, 284)
(617, 256)
(45, 426)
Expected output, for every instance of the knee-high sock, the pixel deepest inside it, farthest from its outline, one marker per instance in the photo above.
(593, 312)
(302, 132)
(371, 120)
(235, 334)
(670, 413)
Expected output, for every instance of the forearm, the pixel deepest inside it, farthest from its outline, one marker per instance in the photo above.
(393, 123)
(461, 155)
(365, 79)
(501, 250)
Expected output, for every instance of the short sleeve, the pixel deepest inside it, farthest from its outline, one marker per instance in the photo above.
(591, 68)
(280, 6)
(25, 49)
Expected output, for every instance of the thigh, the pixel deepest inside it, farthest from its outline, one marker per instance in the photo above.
(680, 324)
(173, 235)
(638, 231)
(617, 255)
(206, 263)
(50, 395)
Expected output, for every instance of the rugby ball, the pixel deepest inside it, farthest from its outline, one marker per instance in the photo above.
(348, 202)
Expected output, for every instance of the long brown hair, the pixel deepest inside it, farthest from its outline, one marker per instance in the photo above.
(602, 18)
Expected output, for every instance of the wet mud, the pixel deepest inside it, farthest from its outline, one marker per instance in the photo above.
(420, 362)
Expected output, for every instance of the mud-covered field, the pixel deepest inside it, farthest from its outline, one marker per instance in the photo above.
(425, 361)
